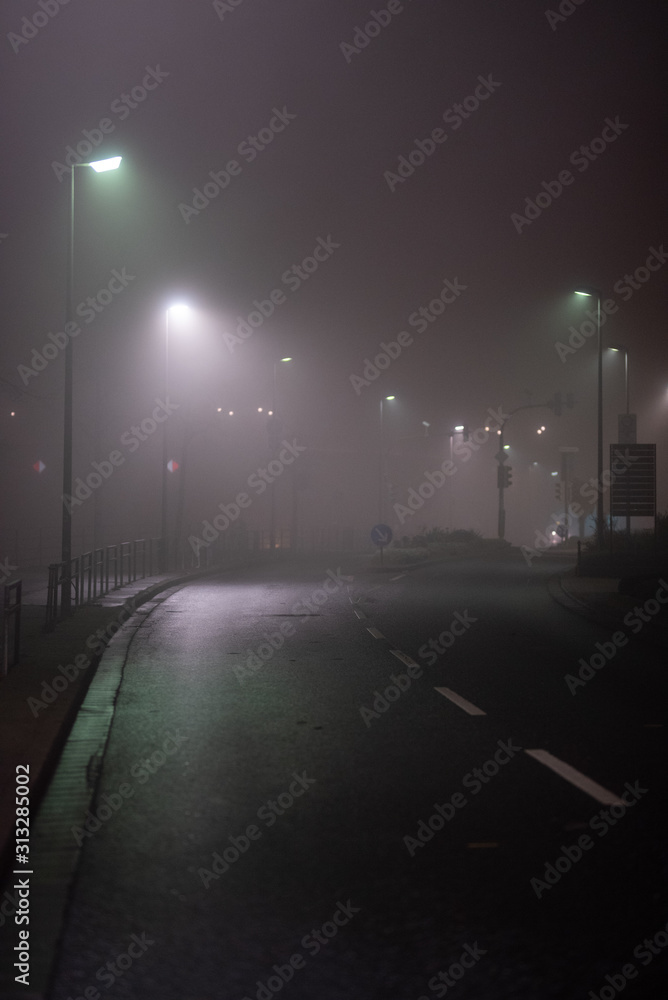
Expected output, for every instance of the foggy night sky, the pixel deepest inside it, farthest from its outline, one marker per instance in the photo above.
(324, 176)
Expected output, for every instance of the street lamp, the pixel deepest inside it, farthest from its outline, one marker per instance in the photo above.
(458, 429)
(381, 462)
(626, 372)
(99, 166)
(625, 437)
(176, 309)
(273, 442)
(595, 293)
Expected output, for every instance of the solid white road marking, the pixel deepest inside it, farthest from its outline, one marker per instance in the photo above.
(576, 778)
(375, 633)
(462, 702)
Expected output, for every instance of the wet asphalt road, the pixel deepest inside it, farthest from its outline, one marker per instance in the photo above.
(268, 838)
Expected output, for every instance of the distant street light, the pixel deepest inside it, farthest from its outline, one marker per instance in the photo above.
(595, 293)
(626, 372)
(381, 463)
(272, 497)
(66, 547)
(620, 349)
(458, 429)
(176, 309)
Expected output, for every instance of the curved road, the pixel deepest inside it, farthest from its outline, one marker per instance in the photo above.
(321, 786)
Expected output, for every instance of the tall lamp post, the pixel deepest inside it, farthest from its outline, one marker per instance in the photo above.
(177, 309)
(595, 294)
(459, 429)
(381, 462)
(273, 443)
(99, 166)
(624, 350)
(628, 430)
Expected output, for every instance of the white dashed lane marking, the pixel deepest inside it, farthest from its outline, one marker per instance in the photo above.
(576, 778)
(375, 633)
(462, 702)
(360, 614)
(406, 660)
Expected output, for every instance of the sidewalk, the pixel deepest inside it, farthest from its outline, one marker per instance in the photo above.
(40, 697)
(599, 600)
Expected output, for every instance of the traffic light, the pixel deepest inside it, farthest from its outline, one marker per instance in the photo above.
(504, 477)
(558, 491)
(557, 404)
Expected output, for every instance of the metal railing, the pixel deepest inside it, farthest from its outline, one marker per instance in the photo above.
(100, 571)
(11, 625)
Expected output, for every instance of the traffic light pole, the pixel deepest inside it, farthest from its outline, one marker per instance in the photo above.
(501, 478)
(504, 472)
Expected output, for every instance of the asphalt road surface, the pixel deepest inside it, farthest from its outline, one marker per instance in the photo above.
(309, 793)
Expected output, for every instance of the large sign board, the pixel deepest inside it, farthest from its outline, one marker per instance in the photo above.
(633, 486)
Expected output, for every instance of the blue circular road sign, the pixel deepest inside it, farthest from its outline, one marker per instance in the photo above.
(381, 534)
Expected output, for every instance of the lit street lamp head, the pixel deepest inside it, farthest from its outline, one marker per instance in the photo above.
(101, 166)
(178, 309)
